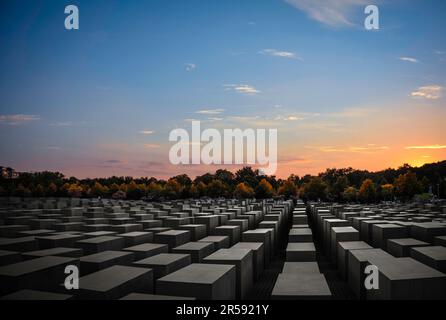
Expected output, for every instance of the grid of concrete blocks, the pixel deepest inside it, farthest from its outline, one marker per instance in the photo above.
(189, 249)
(218, 249)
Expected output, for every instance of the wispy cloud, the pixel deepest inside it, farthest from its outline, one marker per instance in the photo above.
(370, 148)
(408, 59)
(14, 119)
(152, 145)
(147, 132)
(428, 147)
(67, 124)
(241, 88)
(280, 54)
(190, 66)
(289, 118)
(334, 13)
(210, 111)
(352, 113)
(431, 92)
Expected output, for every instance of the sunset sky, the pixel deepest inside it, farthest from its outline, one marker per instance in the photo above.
(102, 100)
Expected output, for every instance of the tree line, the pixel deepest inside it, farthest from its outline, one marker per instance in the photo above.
(339, 185)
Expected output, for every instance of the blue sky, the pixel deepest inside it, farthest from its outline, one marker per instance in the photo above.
(101, 100)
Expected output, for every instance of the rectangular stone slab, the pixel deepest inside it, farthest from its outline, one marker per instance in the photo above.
(44, 273)
(258, 254)
(173, 238)
(343, 249)
(300, 219)
(301, 252)
(58, 240)
(146, 250)
(197, 250)
(428, 231)
(300, 235)
(136, 237)
(233, 232)
(211, 222)
(103, 260)
(401, 247)
(300, 267)
(339, 234)
(406, 278)
(165, 263)
(197, 231)
(242, 259)
(99, 244)
(433, 256)
(242, 223)
(382, 232)
(9, 257)
(303, 286)
(28, 295)
(220, 242)
(261, 235)
(59, 252)
(201, 281)
(115, 282)
(21, 244)
(151, 297)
